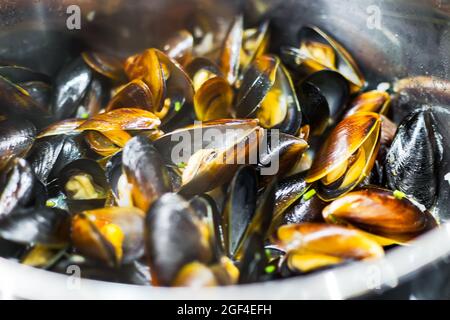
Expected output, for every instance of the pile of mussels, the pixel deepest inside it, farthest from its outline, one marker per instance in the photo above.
(88, 176)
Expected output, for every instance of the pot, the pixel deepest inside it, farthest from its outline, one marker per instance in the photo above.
(389, 39)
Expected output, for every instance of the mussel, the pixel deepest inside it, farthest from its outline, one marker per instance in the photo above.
(418, 161)
(347, 156)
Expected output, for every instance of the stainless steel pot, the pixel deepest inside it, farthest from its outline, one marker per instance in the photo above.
(389, 38)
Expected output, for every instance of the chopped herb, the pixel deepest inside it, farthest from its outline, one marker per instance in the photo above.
(50, 203)
(268, 253)
(177, 106)
(311, 193)
(399, 195)
(270, 269)
(84, 115)
(182, 165)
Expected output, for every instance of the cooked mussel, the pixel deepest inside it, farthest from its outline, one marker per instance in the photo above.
(170, 86)
(418, 159)
(145, 171)
(171, 226)
(381, 212)
(110, 235)
(319, 51)
(267, 93)
(231, 51)
(16, 138)
(324, 245)
(84, 184)
(347, 156)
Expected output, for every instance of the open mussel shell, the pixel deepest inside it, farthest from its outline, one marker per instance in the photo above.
(84, 183)
(135, 94)
(267, 93)
(51, 154)
(70, 88)
(306, 208)
(112, 235)
(329, 240)
(347, 156)
(16, 138)
(210, 153)
(231, 50)
(106, 65)
(278, 153)
(172, 226)
(213, 100)
(202, 69)
(318, 51)
(299, 262)
(47, 226)
(16, 186)
(145, 171)
(379, 212)
(418, 157)
(170, 86)
(323, 97)
(180, 47)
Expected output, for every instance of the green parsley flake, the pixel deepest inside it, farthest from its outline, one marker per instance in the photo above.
(177, 106)
(309, 195)
(399, 195)
(270, 269)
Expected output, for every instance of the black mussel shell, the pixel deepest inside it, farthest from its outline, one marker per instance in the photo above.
(16, 138)
(113, 171)
(70, 86)
(16, 181)
(173, 238)
(146, 171)
(254, 260)
(19, 74)
(418, 162)
(39, 91)
(240, 208)
(36, 225)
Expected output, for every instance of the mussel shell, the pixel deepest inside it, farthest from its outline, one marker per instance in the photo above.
(419, 157)
(135, 94)
(94, 170)
(180, 47)
(113, 172)
(347, 137)
(146, 171)
(36, 225)
(18, 74)
(135, 273)
(345, 63)
(18, 102)
(378, 211)
(204, 67)
(254, 44)
(106, 65)
(16, 138)
(371, 101)
(88, 239)
(411, 163)
(16, 181)
(39, 91)
(289, 190)
(328, 239)
(213, 100)
(51, 154)
(240, 208)
(71, 86)
(254, 260)
(231, 50)
(282, 151)
(174, 237)
(334, 88)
